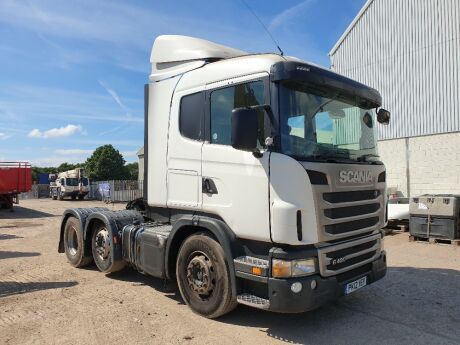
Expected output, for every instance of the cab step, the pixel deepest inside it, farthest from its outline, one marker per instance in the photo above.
(253, 301)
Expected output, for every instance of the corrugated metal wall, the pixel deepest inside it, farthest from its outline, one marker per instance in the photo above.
(409, 50)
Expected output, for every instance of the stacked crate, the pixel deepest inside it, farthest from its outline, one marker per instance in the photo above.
(435, 216)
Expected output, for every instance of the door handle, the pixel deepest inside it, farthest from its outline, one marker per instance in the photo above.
(208, 186)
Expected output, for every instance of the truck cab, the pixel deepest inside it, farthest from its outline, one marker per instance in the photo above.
(72, 183)
(263, 184)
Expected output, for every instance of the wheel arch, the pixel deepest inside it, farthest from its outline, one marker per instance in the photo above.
(115, 221)
(189, 225)
(81, 214)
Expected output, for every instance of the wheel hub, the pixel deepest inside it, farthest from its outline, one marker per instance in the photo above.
(200, 275)
(72, 241)
(103, 243)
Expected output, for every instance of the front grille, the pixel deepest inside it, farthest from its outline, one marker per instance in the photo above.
(343, 257)
(354, 225)
(350, 211)
(357, 195)
(352, 261)
(349, 250)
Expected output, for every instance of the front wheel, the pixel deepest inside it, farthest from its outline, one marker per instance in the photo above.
(203, 277)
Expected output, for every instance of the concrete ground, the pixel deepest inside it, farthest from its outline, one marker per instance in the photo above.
(44, 300)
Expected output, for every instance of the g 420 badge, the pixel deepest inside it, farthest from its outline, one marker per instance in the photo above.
(339, 260)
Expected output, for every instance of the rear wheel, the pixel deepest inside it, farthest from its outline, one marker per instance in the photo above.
(102, 248)
(203, 277)
(74, 244)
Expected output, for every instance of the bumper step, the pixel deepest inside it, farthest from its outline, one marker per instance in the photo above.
(253, 301)
(251, 265)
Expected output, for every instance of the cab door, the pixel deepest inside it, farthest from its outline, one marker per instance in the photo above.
(236, 183)
(186, 133)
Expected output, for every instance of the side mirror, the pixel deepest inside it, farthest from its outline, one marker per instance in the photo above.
(383, 116)
(244, 129)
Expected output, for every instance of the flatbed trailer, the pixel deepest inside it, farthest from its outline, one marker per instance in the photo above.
(15, 178)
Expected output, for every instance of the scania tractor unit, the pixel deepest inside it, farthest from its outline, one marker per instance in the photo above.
(72, 183)
(263, 185)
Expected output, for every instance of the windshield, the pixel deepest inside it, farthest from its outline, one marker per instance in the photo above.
(74, 182)
(318, 124)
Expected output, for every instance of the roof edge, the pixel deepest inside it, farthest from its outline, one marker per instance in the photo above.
(350, 27)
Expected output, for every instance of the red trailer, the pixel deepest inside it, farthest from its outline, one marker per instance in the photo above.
(15, 178)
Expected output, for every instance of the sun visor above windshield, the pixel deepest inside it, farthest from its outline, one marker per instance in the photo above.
(310, 74)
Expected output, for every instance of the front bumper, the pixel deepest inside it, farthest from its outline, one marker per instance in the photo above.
(283, 300)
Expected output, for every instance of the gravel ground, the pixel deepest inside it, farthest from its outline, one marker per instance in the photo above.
(44, 300)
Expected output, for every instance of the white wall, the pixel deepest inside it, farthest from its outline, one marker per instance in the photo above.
(434, 164)
(393, 154)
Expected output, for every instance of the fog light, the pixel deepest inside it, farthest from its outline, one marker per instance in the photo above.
(313, 284)
(296, 287)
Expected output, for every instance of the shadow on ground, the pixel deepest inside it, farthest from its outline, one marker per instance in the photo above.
(23, 213)
(9, 288)
(10, 255)
(8, 236)
(412, 306)
(167, 288)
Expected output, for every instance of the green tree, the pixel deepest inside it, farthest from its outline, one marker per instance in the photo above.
(132, 171)
(106, 163)
(68, 166)
(36, 171)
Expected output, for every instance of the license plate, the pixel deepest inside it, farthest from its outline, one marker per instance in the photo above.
(355, 285)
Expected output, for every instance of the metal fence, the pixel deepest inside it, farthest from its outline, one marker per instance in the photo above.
(116, 190)
(37, 191)
(109, 191)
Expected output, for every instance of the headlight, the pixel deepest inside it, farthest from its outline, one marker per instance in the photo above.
(294, 268)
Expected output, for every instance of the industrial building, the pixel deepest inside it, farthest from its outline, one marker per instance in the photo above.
(140, 156)
(410, 51)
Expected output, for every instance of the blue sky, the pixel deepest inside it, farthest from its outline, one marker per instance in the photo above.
(72, 72)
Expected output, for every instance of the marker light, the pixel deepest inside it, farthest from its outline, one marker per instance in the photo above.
(296, 287)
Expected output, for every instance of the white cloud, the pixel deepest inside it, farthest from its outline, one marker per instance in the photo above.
(56, 132)
(289, 14)
(116, 98)
(129, 153)
(4, 136)
(73, 152)
(53, 161)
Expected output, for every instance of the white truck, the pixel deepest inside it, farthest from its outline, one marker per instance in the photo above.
(72, 183)
(262, 183)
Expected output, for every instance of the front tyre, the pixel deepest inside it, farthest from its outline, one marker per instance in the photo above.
(203, 277)
(102, 247)
(74, 245)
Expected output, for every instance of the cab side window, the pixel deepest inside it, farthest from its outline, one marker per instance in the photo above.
(191, 116)
(224, 100)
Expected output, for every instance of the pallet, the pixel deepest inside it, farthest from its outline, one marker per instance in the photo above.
(434, 240)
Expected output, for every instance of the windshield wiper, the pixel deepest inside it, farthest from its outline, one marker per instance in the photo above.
(365, 158)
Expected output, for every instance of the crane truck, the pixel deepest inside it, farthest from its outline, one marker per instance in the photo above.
(263, 185)
(72, 183)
